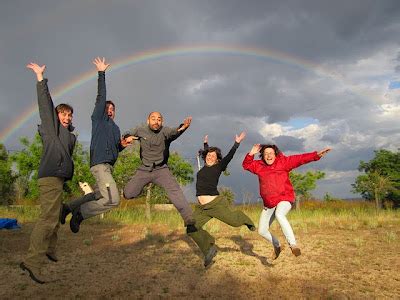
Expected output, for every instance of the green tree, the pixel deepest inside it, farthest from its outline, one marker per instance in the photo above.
(6, 177)
(127, 163)
(374, 184)
(304, 183)
(227, 193)
(27, 163)
(385, 163)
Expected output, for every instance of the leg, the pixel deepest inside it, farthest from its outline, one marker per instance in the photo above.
(266, 219)
(281, 211)
(164, 178)
(201, 237)
(135, 185)
(44, 233)
(221, 211)
(108, 190)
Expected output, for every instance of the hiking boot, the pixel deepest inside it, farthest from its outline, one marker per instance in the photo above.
(295, 250)
(76, 221)
(208, 260)
(277, 251)
(34, 274)
(52, 257)
(85, 187)
(251, 227)
(65, 211)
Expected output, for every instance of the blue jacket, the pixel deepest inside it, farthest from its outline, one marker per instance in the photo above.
(105, 144)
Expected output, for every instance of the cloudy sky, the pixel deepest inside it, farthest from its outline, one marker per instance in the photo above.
(302, 74)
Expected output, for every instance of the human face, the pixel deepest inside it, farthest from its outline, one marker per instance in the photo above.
(65, 118)
(155, 121)
(269, 155)
(110, 110)
(211, 158)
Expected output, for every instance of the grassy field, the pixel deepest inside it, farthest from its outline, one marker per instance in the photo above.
(348, 251)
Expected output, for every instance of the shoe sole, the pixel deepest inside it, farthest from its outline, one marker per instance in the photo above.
(31, 275)
(51, 258)
(210, 261)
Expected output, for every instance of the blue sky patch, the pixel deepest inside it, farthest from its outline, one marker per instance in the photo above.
(394, 85)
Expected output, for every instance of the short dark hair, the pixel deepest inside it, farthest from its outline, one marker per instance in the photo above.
(265, 146)
(108, 102)
(204, 153)
(64, 107)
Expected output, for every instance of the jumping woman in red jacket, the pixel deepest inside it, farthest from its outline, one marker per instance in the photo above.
(276, 190)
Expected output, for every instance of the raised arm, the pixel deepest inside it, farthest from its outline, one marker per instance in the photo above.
(99, 111)
(249, 163)
(173, 134)
(226, 160)
(47, 113)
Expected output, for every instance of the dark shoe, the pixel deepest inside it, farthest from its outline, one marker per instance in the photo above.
(65, 211)
(251, 227)
(35, 276)
(296, 251)
(76, 221)
(190, 229)
(277, 251)
(208, 260)
(52, 257)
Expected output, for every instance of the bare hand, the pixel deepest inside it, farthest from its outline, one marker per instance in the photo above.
(323, 152)
(38, 70)
(255, 149)
(186, 123)
(240, 137)
(206, 139)
(100, 64)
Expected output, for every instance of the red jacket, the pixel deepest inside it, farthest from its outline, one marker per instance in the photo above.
(275, 185)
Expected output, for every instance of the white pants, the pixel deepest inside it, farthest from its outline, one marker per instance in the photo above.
(279, 212)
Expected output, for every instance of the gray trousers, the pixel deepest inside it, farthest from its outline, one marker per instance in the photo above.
(110, 198)
(164, 178)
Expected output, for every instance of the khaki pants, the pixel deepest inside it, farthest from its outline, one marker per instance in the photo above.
(44, 234)
(219, 209)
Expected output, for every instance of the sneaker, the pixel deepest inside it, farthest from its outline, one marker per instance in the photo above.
(33, 274)
(85, 187)
(295, 250)
(208, 260)
(277, 251)
(76, 221)
(65, 211)
(251, 227)
(52, 257)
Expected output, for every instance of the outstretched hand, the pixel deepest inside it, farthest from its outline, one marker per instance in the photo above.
(323, 152)
(240, 137)
(186, 123)
(255, 149)
(100, 64)
(205, 139)
(38, 70)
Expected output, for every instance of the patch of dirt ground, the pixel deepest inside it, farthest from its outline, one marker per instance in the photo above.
(139, 262)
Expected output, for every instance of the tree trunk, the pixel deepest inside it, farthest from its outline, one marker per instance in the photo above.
(148, 197)
(297, 203)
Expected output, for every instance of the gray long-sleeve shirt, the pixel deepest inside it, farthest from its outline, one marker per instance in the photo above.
(154, 145)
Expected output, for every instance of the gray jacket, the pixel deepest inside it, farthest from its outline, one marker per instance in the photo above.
(154, 145)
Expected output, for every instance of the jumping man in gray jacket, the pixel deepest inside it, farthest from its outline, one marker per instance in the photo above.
(155, 140)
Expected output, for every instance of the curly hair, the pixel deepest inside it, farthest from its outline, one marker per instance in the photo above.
(203, 153)
(265, 146)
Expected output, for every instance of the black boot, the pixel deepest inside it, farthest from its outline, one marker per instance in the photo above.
(65, 211)
(76, 220)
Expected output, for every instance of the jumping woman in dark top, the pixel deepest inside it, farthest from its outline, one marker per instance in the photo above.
(212, 205)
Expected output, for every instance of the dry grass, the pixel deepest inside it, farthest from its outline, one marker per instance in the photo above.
(346, 254)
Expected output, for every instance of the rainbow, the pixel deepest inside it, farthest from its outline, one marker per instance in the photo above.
(176, 51)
